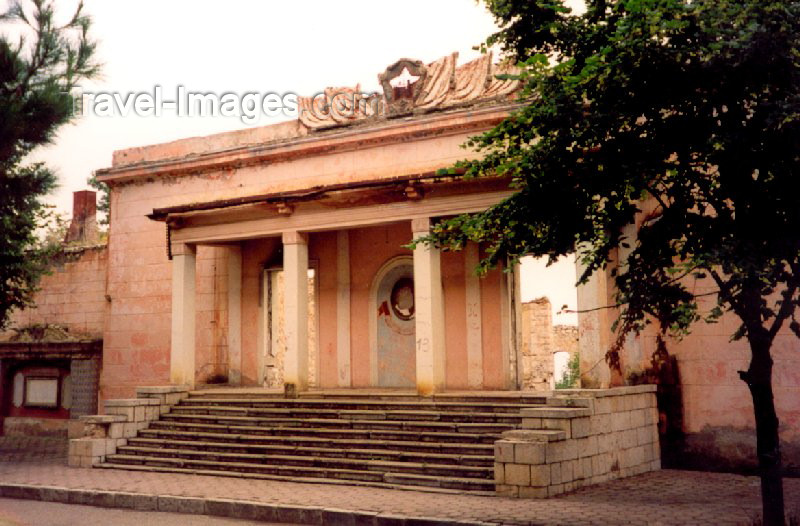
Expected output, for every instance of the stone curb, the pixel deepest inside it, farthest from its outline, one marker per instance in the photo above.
(234, 509)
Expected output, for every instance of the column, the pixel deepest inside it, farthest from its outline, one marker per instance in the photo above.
(429, 313)
(182, 351)
(343, 374)
(235, 315)
(295, 304)
(594, 334)
(512, 323)
(472, 284)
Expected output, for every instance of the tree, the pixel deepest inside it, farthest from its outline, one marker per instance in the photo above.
(683, 115)
(104, 204)
(37, 72)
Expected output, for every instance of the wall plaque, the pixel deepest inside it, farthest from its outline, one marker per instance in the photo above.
(41, 391)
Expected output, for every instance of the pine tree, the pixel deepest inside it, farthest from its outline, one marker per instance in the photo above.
(37, 72)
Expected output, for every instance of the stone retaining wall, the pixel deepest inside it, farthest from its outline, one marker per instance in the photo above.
(583, 437)
(123, 418)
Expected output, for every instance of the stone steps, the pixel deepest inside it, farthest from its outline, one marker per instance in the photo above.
(373, 398)
(394, 440)
(148, 446)
(338, 423)
(348, 433)
(378, 474)
(150, 437)
(398, 482)
(362, 414)
(326, 461)
(359, 405)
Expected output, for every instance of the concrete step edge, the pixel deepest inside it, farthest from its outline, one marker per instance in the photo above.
(312, 439)
(300, 402)
(323, 471)
(555, 412)
(160, 424)
(161, 452)
(339, 421)
(161, 443)
(313, 410)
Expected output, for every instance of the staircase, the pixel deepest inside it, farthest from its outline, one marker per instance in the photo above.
(386, 439)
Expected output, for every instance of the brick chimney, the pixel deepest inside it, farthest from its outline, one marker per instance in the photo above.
(83, 228)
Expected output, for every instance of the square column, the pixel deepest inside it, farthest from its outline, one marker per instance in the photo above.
(429, 313)
(343, 368)
(472, 286)
(235, 315)
(593, 322)
(295, 305)
(182, 348)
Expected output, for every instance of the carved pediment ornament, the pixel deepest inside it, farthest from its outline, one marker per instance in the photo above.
(411, 86)
(396, 102)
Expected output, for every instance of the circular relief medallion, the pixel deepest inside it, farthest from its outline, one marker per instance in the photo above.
(402, 299)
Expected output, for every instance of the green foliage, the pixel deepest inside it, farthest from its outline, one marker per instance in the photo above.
(104, 203)
(37, 72)
(572, 375)
(681, 117)
(685, 113)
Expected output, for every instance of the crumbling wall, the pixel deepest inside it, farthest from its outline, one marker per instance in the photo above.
(565, 338)
(537, 345)
(273, 376)
(72, 296)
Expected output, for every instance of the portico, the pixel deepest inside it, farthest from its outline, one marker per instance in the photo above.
(297, 230)
(287, 260)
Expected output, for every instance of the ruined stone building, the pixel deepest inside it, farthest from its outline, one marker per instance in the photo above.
(279, 257)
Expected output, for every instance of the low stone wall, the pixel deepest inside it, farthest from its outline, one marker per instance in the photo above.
(123, 418)
(583, 437)
(34, 427)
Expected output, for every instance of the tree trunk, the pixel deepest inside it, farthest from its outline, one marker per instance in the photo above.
(759, 380)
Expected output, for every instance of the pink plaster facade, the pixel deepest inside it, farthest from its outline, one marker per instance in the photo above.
(137, 332)
(716, 408)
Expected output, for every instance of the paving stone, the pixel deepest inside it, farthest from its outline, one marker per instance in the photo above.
(664, 497)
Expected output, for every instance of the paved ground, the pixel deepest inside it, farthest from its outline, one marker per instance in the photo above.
(667, 497)
(14, 512)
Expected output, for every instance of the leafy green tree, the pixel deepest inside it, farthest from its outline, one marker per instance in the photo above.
(688, 110)
(37, 71)
(572, 374)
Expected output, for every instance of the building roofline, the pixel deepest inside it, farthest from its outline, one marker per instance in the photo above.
(307, 194)
(347, 138)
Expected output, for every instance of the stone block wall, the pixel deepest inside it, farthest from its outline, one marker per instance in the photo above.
(124, 418)
(537, 345)
(583, 437)
(73, 296)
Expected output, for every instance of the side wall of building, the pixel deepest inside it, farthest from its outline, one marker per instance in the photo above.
(64, 326)
(717, 410)
(72, 296)
(706, 409)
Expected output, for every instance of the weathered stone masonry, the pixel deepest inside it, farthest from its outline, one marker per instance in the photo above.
(587, 436)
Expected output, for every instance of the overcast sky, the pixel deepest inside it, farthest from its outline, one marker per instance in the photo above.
(241, 46)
